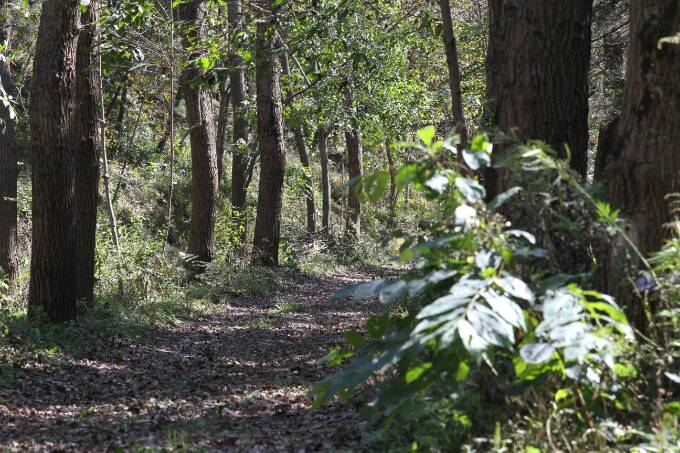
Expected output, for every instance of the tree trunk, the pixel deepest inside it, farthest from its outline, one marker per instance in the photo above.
(270, 137)
(204, 177)
(53, 281)
(648, 168)
(87, 148)
(451, 49)
(222, 120)
(322, 138)
(393, 178)
(354, 156)
(537, 75)
(241, 136)
(9, 261)
(304, 158)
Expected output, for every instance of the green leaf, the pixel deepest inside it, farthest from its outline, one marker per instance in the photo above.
(471, 189)
(355, 339)
(516, 288)
(427, 134)
(462, 372)
(499, 200)
(416, 373)
(537, 353)
(476, 159)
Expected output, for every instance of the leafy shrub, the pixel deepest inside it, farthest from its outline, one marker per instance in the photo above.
(478, 306)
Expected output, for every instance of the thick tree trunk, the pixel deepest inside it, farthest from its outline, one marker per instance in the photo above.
(204, 177)
(322, 139)
(451, 49)
(309, 198)
(648, 168)
(8, 165)
(354, 168)
(87, 148)
(270, 137)
(53, 282)
(241, 134)
(537, 75)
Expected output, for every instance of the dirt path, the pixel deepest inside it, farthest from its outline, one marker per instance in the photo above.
(236, 381)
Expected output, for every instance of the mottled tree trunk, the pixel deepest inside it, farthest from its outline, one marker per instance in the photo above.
(537, 75)
(648, 168)
(8, 165)
(354, 168)
(451, 49)
(309, 197)
(322, 140)
(222, 120)
(53, 282)
(87, 148)
(204, 177)
(270, 139)
(241, 134)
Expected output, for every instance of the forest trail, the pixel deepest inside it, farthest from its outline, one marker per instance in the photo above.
(237, 380)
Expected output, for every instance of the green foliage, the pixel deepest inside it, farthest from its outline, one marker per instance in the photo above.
(475, 302)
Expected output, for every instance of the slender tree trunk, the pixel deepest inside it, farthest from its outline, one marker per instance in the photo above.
(87, 148)
(392, 168)
(272, 153)
(172, 111)
(241, 134)
(53, 281)
(451, 49)
(322, 139)
(309, 197)
(204, 178)
(648, 168)
(222, 120)
(8, 164)
(537, 75)
(354, 157)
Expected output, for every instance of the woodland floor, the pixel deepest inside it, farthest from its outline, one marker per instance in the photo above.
(236, 380)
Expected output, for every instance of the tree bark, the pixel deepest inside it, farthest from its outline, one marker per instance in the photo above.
(222, 120)
(87, 148)
(53, 282)
(309, 197)
(270, 136)
(204, 175)
(451, 49)
(537, 75)
(322, 139)
(241, 134)
(393, 178)
(648, 168)
(9, 262)
(354, 168)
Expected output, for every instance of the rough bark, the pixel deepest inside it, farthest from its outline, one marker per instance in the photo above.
(537, 75)
(309, 197)
(608, 147)
(322, 139)
(648, 168)
(354, 169)
(451, 50)
(8, 166)
(241, 134)
(53, 280)
(87, 148)
(271, 146)
(204, 175)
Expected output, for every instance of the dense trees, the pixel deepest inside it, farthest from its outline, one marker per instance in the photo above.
(646, 170)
